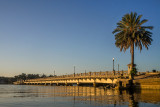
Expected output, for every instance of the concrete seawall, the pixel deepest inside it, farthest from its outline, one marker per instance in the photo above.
(150, 83)
(143, 81)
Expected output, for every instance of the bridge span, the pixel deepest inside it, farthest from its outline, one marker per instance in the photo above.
(95, 78)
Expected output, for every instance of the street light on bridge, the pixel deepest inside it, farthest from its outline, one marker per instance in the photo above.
(118, 67)
(74, 69)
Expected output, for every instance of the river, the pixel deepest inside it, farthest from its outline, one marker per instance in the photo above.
(75, 96)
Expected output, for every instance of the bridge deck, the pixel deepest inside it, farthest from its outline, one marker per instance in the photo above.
(81, 78)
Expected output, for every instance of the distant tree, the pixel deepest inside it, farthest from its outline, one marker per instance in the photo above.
(21, 76)
(43, 76)
(24, 76)
(7, 80)
(33, 76)
(50, 76)
(131, 33)
(153, 70)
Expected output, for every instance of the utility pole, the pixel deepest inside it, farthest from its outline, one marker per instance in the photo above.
(74, 69)
(118, 67)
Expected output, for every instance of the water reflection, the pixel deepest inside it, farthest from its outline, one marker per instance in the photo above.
(132, 102)
(82, 95)
(102, 96)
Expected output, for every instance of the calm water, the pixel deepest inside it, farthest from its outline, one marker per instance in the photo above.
(74, 96)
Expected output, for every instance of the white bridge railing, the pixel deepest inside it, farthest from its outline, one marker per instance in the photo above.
(106, 74)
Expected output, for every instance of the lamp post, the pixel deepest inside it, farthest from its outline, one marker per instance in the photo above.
(54, 71)
(74, 70)
(113, 64)
(118, 67)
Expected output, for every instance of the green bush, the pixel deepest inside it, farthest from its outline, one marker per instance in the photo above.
(133, 71)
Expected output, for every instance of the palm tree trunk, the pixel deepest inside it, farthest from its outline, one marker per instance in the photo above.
(132, 55)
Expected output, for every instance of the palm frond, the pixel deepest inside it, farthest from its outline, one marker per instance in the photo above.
(130, 30)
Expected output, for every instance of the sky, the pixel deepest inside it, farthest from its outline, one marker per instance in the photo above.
(40, 36)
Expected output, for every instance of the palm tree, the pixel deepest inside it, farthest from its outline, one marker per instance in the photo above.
(130, 32)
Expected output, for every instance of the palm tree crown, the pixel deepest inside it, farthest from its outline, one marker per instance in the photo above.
(130, 32)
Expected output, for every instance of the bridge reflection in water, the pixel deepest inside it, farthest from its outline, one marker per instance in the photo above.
(100, 97)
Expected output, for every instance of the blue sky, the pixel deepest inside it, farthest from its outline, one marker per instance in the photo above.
(40, 36)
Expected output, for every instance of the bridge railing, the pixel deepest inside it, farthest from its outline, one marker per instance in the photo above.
(106, 74)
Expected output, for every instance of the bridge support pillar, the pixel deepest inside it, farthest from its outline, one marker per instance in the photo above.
(119, 85)
(66, 84)
(94, 84)
(77, 83)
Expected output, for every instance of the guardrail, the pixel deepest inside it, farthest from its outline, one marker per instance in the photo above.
(106, 74)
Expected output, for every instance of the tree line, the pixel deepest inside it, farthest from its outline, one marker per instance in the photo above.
(23, 76)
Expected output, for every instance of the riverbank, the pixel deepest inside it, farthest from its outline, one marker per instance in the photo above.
(146, 81)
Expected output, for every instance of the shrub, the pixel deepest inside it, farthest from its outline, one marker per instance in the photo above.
(133, 71)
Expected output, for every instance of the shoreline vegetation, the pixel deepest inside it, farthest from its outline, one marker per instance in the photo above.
(23, 76)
